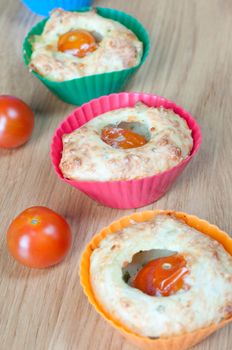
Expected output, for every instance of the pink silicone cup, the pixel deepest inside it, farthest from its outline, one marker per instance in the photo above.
(130, 193)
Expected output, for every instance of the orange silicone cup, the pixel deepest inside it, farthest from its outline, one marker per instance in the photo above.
(181, 342)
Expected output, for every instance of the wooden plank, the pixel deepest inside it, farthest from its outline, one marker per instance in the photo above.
(190, 62)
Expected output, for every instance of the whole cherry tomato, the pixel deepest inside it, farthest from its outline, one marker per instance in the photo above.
(16, 122)
(39, 237)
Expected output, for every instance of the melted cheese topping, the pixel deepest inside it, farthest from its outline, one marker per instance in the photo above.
(208, 300)
(86, 157)
(118, 47)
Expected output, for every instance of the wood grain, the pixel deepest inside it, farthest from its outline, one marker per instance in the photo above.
(191, 63)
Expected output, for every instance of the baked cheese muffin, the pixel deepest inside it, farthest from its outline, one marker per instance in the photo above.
(162, 278)
(124, 144)
(77, 44)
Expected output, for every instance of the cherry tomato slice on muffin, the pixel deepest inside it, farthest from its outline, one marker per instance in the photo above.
(16, 122)
(163, 276)
(38, 237)
(122, 138)
(77, 42)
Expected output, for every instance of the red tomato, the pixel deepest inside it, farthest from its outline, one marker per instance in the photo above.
(16, 122)
(122, 138)
(77, 42)
(39, 237)
(163, 276)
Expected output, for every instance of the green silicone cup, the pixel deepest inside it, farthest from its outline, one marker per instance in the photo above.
(80, 90)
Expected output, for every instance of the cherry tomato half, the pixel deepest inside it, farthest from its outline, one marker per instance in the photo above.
(39, 237)
(77, 42)
(16, 122)
(162, 276)
(122, 138)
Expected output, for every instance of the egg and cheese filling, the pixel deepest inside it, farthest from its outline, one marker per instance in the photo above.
(200, 286)
(124, 144)
(77, 44)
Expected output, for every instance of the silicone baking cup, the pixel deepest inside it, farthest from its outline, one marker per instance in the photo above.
(130, 193)
(80, 90)
(181, 342)
(43, 7)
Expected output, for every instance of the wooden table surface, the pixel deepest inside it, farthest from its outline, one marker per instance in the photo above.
(191, 63)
